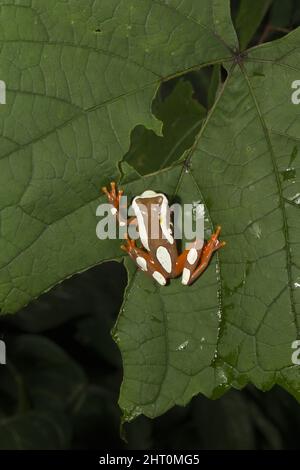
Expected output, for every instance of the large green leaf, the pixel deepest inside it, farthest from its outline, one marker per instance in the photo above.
(80, 80)
(238, 322)
(80, 76)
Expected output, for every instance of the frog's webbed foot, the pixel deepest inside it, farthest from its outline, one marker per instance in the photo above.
(214, 243)
(113, 195)
(198, 260)
(129, 246)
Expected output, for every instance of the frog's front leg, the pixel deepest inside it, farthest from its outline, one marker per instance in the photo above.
(144, 261)
(196, 261)
(114, 196)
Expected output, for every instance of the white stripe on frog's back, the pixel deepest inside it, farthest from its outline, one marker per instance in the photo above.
(164, 258)
(165, 220)
(141, 225)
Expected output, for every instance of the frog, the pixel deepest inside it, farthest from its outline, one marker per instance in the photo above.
(158, 257)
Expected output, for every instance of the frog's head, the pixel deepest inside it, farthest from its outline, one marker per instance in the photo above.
(148, 207)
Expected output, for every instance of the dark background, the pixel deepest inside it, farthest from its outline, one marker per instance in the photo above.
(59, 389)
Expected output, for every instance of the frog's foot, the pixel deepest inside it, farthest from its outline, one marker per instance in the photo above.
(193, 270)
(129, 246)
(214, 243)
(113, 195)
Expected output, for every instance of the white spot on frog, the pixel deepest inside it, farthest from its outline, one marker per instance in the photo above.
(186, 273)
(164, 258)
(192, 256)
(142, 263)
(159, 278)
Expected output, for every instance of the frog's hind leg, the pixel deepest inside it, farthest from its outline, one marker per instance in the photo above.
(144, 261)
(198, 260)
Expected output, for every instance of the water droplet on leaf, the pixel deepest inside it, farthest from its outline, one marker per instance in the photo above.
(183, 345)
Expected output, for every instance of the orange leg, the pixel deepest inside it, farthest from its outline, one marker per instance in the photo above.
(113, 195)
(208, 250)
(180, 262)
